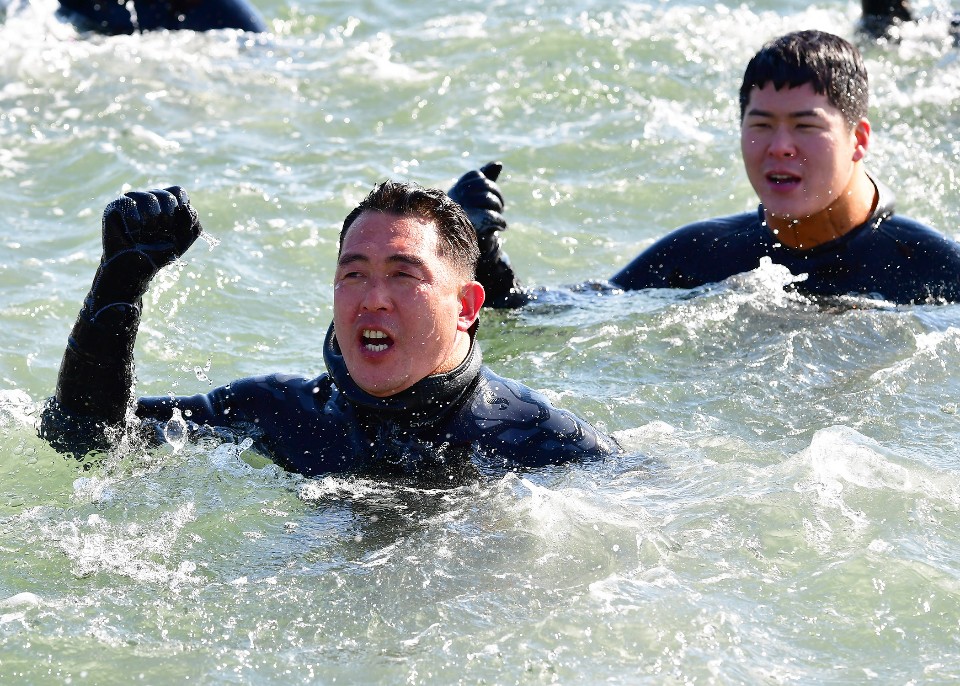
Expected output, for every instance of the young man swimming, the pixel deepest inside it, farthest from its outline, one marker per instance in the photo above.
(804, 137)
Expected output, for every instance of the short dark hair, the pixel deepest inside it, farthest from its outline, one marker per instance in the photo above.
(457, 239)
(830, 64)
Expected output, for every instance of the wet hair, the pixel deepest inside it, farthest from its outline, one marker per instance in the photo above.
(830, 64)
(456, 237)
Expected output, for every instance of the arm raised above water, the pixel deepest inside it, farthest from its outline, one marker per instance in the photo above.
(480, 197)
(142, 233)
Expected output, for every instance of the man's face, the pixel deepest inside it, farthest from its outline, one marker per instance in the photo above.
(798, 150)
(397, 305)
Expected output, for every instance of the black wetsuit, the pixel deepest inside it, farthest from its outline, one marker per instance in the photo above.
(888, 257)
(443, 427)
(115, 17)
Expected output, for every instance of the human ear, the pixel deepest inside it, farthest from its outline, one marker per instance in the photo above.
(472, 296)
(861, 135)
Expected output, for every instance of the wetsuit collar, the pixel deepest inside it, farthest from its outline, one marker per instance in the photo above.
(423, 403)
(884, 209)
(886, 205)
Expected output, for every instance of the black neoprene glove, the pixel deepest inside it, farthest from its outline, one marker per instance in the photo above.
(142, 233)
(479, 195)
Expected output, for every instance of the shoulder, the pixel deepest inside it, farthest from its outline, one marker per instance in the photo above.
(907, 261)
(520, 426)
(913, 242)
(702, 252)
(900, 227)
(744, 225)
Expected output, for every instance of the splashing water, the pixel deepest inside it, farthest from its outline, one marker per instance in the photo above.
(785, 511)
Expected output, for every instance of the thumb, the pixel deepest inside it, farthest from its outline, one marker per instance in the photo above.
(492, 170)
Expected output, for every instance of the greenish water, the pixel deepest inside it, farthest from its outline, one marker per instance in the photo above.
(787, 510)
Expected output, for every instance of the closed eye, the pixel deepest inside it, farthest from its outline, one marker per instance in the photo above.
(408, 276)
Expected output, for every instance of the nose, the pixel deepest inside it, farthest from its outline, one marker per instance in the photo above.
(376, 296)
(781, 143)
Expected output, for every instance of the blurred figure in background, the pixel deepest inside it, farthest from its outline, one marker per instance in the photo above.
(879, 16)
(119, 17)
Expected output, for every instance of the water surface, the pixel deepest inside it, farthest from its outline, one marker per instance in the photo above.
(787, 508)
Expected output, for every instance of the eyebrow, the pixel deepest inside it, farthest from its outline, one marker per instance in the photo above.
(399, 258)
(799, 114)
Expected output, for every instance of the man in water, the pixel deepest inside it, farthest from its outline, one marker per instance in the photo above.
(405, 392)
(880, 16)
(124, 17)
(804, 135)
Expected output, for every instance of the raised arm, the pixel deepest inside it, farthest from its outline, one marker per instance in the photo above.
(479, 195)
(142, 233)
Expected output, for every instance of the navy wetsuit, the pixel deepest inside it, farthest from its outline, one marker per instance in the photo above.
(115, 17)
(443, 427)
(888, 257)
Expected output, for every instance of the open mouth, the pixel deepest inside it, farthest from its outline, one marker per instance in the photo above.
(782, 179)
(375, 340)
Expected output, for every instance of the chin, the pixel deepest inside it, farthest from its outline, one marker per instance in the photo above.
(379, 387)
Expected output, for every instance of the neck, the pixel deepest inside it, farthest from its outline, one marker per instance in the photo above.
(461, 347)
(851, 209)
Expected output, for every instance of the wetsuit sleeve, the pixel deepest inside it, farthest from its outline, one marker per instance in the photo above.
(480, 197)
(142, 233)
(287, 417)
(227, 412)
(239, 404)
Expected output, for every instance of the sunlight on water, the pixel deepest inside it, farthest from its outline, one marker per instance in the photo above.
(786, 508)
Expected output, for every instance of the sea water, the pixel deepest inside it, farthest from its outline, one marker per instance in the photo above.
(787, 508)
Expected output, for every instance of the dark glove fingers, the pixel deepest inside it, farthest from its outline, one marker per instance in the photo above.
(167, 201)
(492, 170)
(480, 187)
(476, 190)
(149, 226)
(186, 228)
(161, 222)
(181, 195)
(186, 225)
(480, 197)
(177, 218)
(486, 221)
(487, 196)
